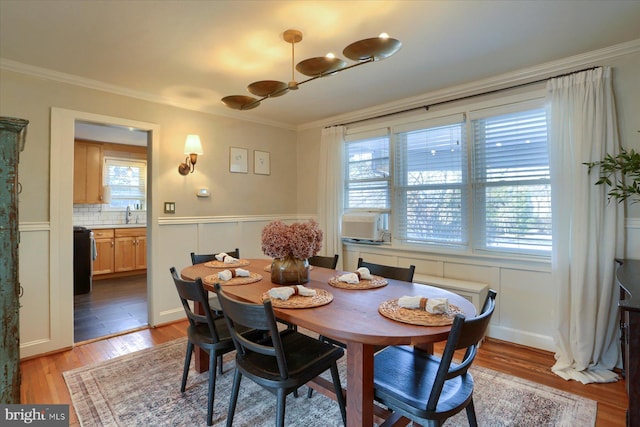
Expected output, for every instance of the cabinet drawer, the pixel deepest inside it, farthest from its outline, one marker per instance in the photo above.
(105, 233)
(130, 232)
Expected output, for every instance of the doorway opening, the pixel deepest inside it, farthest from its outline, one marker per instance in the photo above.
(115, 299)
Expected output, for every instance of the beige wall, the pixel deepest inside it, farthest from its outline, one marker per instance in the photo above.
(232, 193)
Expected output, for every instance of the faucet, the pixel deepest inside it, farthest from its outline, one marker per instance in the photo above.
(127, 215)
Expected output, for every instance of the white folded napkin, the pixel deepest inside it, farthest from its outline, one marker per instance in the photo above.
(228, 274)
(227, 259)
(364, 273)
(225, 275)
(306, 292)
(431, 305)
(351, 278)
(284, 292)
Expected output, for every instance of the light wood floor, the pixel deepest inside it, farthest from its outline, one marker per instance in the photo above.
(42, 380)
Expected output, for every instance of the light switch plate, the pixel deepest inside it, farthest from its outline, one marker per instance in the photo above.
(169, 207)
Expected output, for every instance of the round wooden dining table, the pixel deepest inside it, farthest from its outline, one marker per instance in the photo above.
(351, 317)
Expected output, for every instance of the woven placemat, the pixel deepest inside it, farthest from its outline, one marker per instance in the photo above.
(375, 282)
(221, 264)
(322, 297)
(390, 309)
(213, 279)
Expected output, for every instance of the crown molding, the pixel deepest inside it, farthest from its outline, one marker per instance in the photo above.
(47, 74)
(501, 81)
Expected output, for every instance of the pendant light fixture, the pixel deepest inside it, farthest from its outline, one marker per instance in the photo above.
(362, 52)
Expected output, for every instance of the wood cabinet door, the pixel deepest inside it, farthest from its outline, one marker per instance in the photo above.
(141, 252)
(104, 262)
(87, 173)
(125, 253)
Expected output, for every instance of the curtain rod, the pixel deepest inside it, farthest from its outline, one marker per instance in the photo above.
(428, 106)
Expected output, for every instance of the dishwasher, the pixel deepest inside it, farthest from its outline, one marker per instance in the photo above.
(84, 252)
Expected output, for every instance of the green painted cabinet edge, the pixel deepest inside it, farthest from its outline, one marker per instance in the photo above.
(12, 139)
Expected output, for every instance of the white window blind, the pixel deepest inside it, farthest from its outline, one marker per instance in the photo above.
(367, 174)
(430, 184)
(512, 191)
(126, 180)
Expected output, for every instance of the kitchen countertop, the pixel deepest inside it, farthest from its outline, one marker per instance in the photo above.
(104, 226)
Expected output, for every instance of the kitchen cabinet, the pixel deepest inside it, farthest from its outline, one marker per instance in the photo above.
(105, 247)
(121, 252)
(130, 249)
(87, 173)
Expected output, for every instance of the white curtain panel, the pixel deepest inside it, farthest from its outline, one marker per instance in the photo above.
(587, 229)
(330, 189)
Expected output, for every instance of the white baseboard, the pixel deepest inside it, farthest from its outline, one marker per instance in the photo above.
(522, 337)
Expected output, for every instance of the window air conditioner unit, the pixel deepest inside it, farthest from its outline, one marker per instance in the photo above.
(362, 226)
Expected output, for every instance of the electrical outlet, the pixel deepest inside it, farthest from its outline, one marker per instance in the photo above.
(169, 207)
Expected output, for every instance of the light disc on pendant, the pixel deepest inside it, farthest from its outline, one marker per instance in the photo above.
(320, 65)
(377, 48)
(271, 88)
(240, 102)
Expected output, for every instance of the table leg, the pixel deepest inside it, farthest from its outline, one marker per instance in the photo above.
(201, 358)
(359, 384)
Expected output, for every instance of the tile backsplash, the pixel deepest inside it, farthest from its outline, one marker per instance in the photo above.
(93, 215)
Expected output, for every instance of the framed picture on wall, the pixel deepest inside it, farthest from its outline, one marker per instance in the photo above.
(238, 160)
(261, 162)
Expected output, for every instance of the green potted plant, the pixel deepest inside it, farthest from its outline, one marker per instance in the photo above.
(628, 164)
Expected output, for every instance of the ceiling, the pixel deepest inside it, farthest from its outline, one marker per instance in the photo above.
(193, 53)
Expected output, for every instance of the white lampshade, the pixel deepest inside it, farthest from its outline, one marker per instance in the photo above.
(193, 145)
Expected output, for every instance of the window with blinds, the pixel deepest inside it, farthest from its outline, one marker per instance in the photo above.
(126, 180)
(431, 184)
(368, 174)
(476, 180)
(512, 189)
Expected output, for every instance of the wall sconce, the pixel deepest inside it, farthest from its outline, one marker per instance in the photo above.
(192, 147)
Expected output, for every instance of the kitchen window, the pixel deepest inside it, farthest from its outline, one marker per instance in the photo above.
(125, 180)
(475, 181)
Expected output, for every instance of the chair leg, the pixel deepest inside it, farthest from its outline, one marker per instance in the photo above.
(471, 414)
(185, 370)
(339, 396)
(220, 364)
(237, 376)
(212, 386)
(282, 400)
(310, 390)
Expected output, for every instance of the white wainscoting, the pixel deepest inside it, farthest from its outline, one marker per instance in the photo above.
(38, 303)
(475, 292)
(181, 236)
(524, 293)
(523, 290)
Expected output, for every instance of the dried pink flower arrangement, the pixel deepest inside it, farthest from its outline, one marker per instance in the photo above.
(299, 240)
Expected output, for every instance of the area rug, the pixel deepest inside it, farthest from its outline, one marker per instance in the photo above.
(143, 389)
